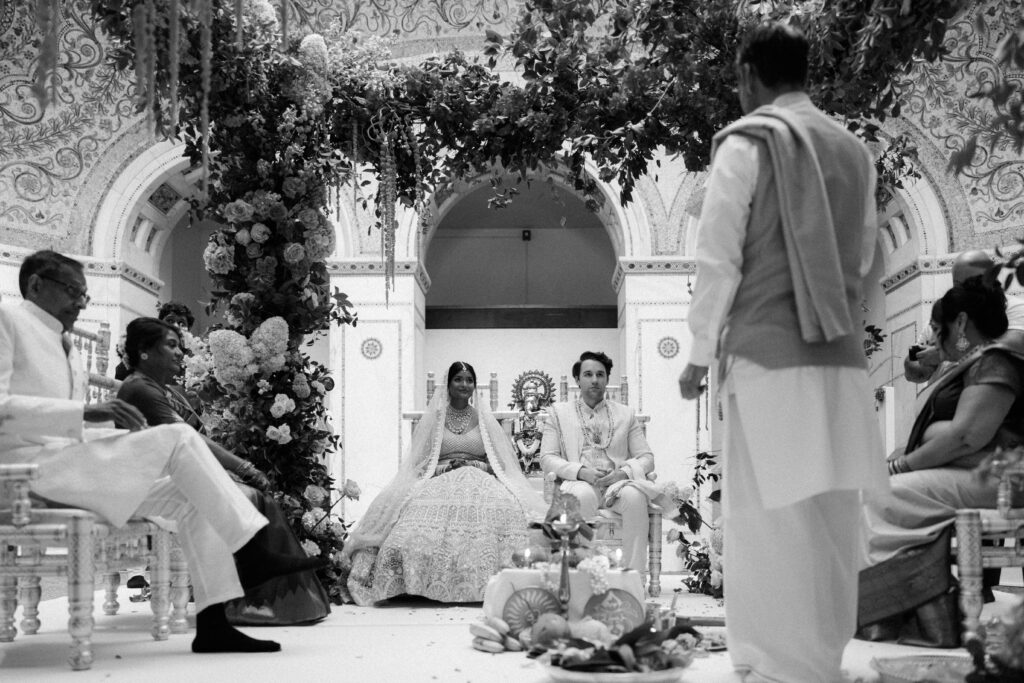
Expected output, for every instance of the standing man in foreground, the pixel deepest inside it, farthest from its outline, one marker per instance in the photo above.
(785, 239)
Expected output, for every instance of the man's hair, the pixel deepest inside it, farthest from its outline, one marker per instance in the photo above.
(971, 263)
(44, 263)
(176, 308)
(599, 356)
(777, 53)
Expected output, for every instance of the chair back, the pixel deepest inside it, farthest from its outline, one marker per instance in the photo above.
(94, 348)
(484, 392)
(620, 393)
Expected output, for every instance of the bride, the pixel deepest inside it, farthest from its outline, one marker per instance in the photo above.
(454, 513)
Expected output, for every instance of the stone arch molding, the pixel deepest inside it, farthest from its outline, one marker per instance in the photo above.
(125, 197)
(628, 227)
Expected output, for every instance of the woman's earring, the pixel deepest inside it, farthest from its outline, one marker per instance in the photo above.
(961, 342)
(145, 356)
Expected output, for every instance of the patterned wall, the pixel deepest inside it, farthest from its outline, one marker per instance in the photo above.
(55, 166)
(938, 107)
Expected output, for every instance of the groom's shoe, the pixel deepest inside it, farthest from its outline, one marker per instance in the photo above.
(257, 565)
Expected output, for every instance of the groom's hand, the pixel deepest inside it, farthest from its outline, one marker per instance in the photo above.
(690, 386)
(610, 478)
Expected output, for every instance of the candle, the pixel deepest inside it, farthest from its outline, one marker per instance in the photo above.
(563, 518)
(526, 557)
(617, 557)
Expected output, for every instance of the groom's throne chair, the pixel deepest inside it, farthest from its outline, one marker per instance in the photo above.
(973, 526)
(608, 524)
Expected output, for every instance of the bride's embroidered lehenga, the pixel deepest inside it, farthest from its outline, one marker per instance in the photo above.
(452, 517)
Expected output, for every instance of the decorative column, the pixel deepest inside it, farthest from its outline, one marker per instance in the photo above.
(654, 340)
(378, 371)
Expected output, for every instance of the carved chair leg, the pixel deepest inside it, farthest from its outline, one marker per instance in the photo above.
(969, 569)
(179, 591)
(8, 595)
(30, 596)
(654, 554)
(81, 582)
(160, 584)
(111, 582)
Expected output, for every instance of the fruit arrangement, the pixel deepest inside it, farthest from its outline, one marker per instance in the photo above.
(642, 650)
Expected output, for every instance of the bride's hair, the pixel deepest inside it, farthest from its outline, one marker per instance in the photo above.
(457, 367)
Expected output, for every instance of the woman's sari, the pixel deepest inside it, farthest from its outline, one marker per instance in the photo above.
(283, 601)
(907, 592)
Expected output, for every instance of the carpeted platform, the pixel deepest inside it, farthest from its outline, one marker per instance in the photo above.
(411, 641)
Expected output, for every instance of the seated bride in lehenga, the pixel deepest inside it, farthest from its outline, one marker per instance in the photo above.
(974, 406)
(455, 512)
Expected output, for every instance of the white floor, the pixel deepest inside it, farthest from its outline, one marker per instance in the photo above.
(406, 642)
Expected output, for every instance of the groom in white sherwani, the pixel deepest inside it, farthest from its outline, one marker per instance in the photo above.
(598, 447)
(165, 471)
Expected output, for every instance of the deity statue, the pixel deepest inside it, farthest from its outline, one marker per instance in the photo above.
(532, 392)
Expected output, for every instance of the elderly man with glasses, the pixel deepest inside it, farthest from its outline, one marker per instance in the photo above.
(166, 472)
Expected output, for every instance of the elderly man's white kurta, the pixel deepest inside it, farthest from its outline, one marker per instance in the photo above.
(164, 471)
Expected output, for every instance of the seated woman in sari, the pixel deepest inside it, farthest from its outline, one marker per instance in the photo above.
(455, 512)
(974, 406)
(154, 352)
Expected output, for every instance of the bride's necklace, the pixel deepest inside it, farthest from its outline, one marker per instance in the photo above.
(457, 420)
(592, 436)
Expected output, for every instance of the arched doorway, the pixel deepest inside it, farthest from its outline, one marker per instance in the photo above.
(526, 287)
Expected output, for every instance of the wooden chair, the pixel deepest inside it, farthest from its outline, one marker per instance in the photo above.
(976, 525)
(90, 547)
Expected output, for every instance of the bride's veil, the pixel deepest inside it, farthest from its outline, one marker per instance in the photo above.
(421, 461)
(417, 466)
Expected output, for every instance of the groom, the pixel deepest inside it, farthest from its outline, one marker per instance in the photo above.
(597, 446)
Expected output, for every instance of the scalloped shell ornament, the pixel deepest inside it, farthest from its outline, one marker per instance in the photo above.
(525, 605)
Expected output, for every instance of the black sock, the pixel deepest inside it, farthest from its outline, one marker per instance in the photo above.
(215, 634)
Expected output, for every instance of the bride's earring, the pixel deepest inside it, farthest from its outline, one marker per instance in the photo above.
(144, 356)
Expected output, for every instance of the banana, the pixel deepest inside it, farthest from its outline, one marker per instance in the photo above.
(485, 632)
(512, 644)
(497, 624)
(487, 645)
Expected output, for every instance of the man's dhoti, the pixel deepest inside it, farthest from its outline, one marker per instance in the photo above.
(793, 534)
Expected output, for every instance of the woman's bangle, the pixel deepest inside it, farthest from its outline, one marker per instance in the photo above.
(899, 465)
(245, 469)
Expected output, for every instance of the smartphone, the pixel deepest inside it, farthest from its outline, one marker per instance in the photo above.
(914, 350)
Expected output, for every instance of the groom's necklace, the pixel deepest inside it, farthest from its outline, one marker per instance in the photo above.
(591, 435)
(457, 420)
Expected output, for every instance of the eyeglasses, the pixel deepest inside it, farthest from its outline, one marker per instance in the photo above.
(73, 291)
